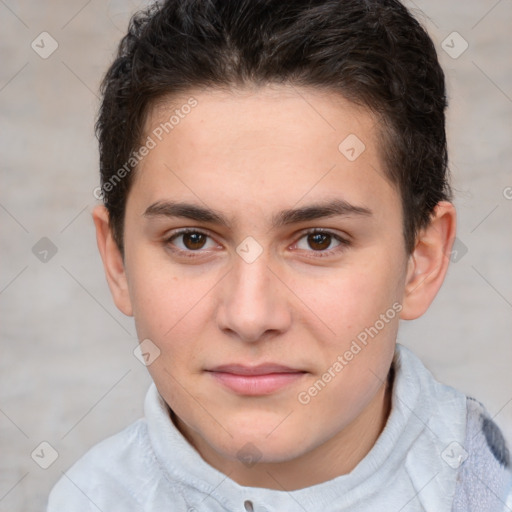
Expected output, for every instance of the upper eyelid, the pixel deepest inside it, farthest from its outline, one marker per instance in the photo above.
(184, 231)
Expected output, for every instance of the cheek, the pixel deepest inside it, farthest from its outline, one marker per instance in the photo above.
(353, 297)
(357, 358)
(163, 295)
(172, 308)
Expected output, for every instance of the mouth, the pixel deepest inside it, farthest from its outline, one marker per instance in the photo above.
(263, 379)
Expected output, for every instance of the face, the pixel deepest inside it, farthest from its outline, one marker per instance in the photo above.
(292, 249)
(257, 252)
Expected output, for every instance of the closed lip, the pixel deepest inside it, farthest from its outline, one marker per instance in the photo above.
(261, 369)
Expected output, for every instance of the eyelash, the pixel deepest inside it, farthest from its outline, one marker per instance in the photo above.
(343, 242)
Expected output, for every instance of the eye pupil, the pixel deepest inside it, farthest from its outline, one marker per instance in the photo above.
(319, 241)
(194, 240)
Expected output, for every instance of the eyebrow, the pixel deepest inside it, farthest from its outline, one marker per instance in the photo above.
(335, 207)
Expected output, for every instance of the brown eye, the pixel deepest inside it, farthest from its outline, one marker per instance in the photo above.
(193, 241)
(319, 241)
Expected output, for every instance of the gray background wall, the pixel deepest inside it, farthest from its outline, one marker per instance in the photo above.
(68, 374)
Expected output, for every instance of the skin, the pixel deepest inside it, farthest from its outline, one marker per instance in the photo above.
(250, 154)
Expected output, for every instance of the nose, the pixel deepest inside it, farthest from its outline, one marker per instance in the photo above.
(253, 305)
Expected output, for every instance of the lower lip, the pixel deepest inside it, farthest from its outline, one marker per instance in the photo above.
(254, 385)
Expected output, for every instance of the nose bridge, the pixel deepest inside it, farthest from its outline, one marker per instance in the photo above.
(252, 304)
(251, 280)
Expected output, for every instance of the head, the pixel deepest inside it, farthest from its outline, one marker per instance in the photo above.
(302, 147)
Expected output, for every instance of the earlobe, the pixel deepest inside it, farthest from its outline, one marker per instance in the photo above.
(429, 262)
(112, 261)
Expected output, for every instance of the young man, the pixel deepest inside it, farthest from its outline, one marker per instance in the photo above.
(275, 200)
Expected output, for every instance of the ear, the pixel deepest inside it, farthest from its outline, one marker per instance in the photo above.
(112, 260)
(429, 261)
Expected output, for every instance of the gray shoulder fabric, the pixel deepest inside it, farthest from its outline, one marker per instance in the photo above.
(484, 480)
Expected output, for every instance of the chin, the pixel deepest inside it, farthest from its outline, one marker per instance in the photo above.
(252, 448)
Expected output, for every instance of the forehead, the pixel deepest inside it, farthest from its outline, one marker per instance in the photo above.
(271, 114)
(272, 144)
